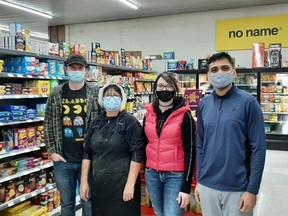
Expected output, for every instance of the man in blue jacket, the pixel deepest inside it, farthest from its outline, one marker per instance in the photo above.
(231, 144)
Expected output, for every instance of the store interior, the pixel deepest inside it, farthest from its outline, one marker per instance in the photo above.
(185, 29)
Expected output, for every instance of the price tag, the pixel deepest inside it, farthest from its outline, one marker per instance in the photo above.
(29, 76)
(17, 96)
(33, 194)
(19, 75)
(50, 187)
(10, 75)
(10, 204)
(42, 190)
(60, 78)
(41, 77)
(22, 199)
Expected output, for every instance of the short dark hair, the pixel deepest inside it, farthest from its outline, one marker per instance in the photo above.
(115, 88)
(220, 56)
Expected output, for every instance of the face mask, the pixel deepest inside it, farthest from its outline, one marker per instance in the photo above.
(76, 76)
(220, 79)
(112, 103)
(165, 96)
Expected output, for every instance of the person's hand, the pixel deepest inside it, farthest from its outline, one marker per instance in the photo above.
(247, 202)
(84, 190)
(197, 195)
(128, 193)
(57, 157)
(183, 199)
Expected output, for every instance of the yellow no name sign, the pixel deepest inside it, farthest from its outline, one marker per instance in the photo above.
(241, 33)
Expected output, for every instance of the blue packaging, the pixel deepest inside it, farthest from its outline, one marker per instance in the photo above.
(172, 65)
(169, 55)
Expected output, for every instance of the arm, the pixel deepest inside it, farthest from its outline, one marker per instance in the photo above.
(86, 162)
(84, 186)
(134, 170)
(135, 139)
(49, 131)
(189, 139)
(256, 136)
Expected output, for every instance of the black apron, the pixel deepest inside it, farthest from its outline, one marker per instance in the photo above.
(111, 164)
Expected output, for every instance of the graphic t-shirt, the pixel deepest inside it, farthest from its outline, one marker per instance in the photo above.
(74, 114)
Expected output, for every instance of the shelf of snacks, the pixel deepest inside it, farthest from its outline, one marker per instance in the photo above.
(26, 196)
(12, 173)
(24, 121)
(8, 75)
(20, 151)
(23, 96)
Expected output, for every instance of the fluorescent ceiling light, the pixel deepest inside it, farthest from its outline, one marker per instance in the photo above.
(130, 4)
(20, 7)
(34, 34)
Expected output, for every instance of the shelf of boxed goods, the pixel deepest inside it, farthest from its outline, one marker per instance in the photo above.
(37, 119)
(8, 75)
(27, 196)
(23, 96)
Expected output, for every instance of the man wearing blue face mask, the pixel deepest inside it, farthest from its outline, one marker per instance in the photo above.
(69, 110)
(231, 144)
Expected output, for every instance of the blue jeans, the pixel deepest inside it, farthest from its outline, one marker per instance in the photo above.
(67, 175)
(163, 188)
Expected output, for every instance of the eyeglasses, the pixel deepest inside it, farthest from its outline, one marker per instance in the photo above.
(167, 87)
(112, 96)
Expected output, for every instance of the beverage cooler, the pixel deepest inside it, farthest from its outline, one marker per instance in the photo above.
(268, 85)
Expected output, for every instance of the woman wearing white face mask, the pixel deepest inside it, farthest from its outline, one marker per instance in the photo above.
(115, 146)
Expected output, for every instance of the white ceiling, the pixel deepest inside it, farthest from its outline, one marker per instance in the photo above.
(83, 11)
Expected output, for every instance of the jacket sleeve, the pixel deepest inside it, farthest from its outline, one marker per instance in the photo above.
(48, 126)
(135, 139)
(189, 144)
(256, 135)
(200, 138)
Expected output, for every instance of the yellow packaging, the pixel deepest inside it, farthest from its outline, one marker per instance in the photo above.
(16, 209)
(42, 86)
(35, 210)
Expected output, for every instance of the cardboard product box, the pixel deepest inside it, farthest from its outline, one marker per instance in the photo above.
(42, 86)
(202, 64)
(30, 183)
(10, 190)
(41, 179)
(53, 49)
(2, 193)
(169, 55)
(20, 187)
(274, 54)
(258, 55)
(64, 49)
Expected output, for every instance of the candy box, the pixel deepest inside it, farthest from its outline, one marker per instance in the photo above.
(30, 183)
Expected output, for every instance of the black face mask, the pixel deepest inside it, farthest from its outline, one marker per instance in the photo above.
(165, 96)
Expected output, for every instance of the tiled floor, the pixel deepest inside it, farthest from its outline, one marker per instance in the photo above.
(273, 195)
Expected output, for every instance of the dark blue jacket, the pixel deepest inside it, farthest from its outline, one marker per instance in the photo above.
(231, 143)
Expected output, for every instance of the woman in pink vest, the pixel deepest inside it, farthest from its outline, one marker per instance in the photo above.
(170, 151)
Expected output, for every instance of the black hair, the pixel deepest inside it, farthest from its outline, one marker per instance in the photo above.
(220, 56)
(114, 87)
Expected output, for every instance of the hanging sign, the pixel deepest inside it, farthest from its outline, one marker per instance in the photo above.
(241, 33)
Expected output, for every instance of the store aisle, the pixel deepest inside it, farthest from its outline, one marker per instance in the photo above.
(273, 195)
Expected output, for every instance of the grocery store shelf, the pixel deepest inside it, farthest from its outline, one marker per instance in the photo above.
(275, 93)
(143, 93)
(37, 119)
(26, 172)
(24, 197)
(144, 80)
(20, 151)
(10, 52)
(24, 76)
(274, 103)
(278, 122)
(286, 113)
(23, 96)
